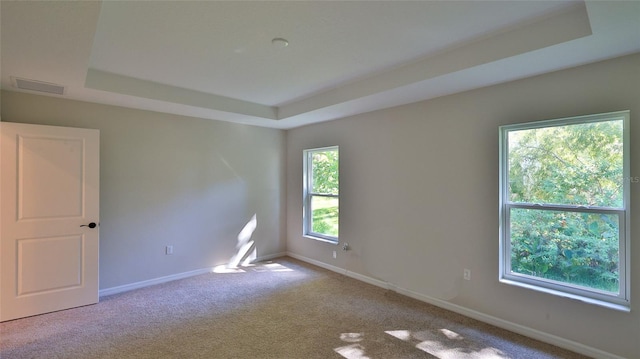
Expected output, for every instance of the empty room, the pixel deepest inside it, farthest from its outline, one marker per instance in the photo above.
(319, 179)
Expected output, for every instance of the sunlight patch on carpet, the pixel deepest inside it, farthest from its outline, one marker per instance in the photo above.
(442, 351)
(252, 267)
(446, 344)
(353, 351)
(352, 337)
(400, 334)
(451, 334)
(271, 267)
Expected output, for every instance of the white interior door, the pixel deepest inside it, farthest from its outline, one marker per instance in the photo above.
(49, 193)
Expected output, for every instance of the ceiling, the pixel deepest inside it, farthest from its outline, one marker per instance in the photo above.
(216, 59)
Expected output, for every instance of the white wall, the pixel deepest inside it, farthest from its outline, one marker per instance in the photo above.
(172, 180)
(419, 197)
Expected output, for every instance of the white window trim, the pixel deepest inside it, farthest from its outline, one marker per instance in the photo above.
(619, 302)
(307, 196)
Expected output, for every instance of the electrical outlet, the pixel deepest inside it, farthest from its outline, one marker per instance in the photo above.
(168, 250)
(466, 274)
(335, 255)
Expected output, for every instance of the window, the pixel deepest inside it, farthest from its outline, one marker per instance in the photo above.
(321, 194)
(564, 207)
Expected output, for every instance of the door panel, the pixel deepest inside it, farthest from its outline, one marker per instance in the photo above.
(49, 264)
(49, 190)
(59, 160)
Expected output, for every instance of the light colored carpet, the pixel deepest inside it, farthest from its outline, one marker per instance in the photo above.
(278, 309)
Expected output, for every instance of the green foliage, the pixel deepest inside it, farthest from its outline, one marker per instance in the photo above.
(573, 164)
(570, 247)
(569, 165)
(325, 180)
(325, 172)
(325, 220)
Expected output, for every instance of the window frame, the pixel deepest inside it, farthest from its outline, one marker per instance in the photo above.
(308, 195)
(619, 301)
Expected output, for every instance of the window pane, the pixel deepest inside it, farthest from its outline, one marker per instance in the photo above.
(324, 215)
(324, 172)
(570, 247)
(580, 164)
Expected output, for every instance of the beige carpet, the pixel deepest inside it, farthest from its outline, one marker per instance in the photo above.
(279, 309)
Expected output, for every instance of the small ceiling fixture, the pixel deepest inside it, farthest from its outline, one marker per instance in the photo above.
(280, 42)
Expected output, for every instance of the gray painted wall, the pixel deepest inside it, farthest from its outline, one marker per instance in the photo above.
(419, 197)
(419, 192)
(172, 180)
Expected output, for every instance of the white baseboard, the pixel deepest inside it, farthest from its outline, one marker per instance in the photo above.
(354, 275)
(172, 277)
(501, 323)
(271, 256)
(150, 282)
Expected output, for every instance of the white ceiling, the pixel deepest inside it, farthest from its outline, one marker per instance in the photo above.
(215, 59)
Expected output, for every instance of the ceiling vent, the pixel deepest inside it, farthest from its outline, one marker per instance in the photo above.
(39, 86)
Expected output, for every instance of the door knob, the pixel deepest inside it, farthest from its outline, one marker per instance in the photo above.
(90, 225)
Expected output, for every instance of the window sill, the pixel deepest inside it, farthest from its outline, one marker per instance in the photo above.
(330, 241)
(615, 306)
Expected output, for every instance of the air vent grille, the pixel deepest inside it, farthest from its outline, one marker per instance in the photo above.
(39, 86)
